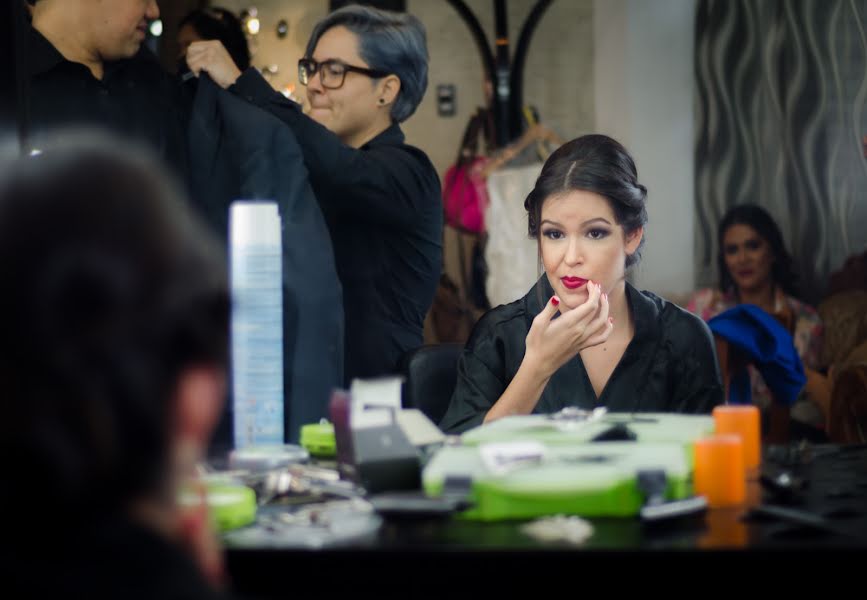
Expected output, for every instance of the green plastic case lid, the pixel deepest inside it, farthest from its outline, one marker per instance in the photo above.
(318, 439)
(590, 480)
(230, 505)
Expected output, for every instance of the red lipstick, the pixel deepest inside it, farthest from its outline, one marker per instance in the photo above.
(573, 283)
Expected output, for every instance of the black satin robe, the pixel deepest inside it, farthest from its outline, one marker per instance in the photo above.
(669, 366)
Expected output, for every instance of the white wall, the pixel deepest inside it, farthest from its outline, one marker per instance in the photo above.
(644, 81)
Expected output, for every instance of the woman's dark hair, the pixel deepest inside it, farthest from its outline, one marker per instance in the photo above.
(782, 270)
(592, 163)
(112, 290)
(220, 24)
(387, 41)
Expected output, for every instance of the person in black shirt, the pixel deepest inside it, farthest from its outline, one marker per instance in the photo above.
(85, 67)
(113, 359)
(583, 336)
(365, 72)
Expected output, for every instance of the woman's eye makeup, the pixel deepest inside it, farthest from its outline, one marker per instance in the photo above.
(596, 233)
(753, 244)
(552, 234)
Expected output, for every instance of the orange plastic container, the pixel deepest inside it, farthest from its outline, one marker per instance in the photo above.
(742, 420)
(720, 472)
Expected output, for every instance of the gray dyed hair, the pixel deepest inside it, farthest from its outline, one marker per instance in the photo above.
(388, 41)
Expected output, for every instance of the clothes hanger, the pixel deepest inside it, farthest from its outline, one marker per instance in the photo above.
(543, 146)
(536, 133)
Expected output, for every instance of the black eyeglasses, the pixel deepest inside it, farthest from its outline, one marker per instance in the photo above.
(332, 73)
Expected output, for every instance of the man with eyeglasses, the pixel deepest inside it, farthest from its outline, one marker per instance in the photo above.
(365, 72)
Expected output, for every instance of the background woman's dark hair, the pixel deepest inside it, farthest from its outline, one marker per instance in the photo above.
(221, 24)
(755, 216)
(117, 289)
(592, 163)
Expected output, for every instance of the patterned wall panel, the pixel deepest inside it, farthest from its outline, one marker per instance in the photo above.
(781, 109)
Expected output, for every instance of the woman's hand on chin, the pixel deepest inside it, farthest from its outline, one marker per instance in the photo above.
(552, 341)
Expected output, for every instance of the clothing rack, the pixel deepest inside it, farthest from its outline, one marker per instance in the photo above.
(506, 76)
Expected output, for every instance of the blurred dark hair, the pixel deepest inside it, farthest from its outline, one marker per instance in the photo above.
(111, 290)
(221, 24)
(758, 218)
(592, 163)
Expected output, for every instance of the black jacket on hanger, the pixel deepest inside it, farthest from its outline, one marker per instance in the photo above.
(383, 206)
(669, 366)
(238, 151)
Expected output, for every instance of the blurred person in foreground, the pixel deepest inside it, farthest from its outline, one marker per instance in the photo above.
(113, 364)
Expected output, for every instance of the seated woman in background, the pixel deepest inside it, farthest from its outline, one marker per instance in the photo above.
(755, 268)
(583, 336)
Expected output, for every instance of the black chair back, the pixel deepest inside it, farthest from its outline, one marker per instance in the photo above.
(431, 373)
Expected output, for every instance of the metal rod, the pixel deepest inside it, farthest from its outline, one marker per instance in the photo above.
(501, 90)
(478, 34)
(516, 83)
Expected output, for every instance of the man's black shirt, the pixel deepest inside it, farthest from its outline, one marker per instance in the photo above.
(135, 99)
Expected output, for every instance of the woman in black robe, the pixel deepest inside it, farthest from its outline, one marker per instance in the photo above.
(583, 336)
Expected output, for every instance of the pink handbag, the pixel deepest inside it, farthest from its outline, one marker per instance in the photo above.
(465, 191)
(465, 196)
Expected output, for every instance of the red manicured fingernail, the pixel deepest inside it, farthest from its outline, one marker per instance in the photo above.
(554, 301)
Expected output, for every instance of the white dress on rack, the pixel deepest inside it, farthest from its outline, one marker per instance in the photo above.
(512, 257)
